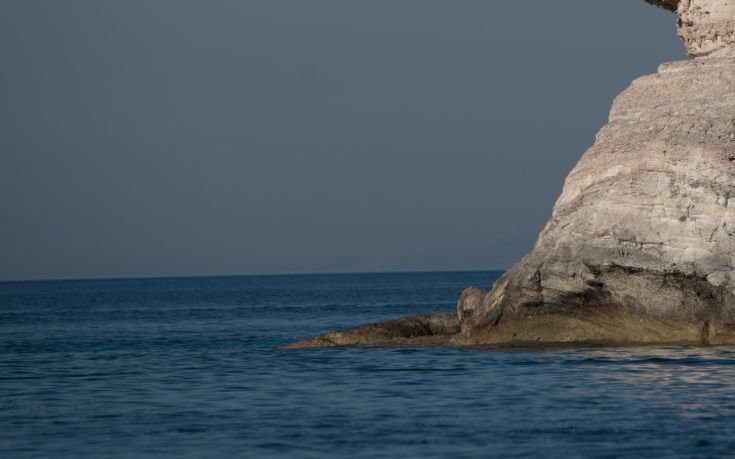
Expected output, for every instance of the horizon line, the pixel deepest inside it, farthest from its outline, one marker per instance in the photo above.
(269, 274)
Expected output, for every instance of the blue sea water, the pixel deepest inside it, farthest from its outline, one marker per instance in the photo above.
(191, 367)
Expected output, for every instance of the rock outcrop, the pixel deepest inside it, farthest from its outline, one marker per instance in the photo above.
(420, 329)
(640, 246)
(707, 27)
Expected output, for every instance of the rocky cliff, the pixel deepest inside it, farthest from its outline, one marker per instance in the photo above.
(640, 246)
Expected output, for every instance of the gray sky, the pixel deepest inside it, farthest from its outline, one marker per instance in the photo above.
(180, 137)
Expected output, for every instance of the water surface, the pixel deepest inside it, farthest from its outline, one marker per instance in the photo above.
(190, 367)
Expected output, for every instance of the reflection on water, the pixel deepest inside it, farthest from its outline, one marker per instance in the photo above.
(191, 368)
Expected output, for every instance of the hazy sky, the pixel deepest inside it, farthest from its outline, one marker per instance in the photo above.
(184, 137)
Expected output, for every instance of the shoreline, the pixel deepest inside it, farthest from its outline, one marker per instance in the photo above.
(600, 329)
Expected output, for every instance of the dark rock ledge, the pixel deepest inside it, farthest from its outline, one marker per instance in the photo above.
(582, 329)
(434, 329)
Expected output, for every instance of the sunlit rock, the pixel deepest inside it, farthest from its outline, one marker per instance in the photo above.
(640, 246)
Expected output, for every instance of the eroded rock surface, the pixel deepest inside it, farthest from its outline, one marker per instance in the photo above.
(640, 246)
(707, 27)
(419, 329)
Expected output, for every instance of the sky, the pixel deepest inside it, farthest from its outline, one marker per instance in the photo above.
(219, 137)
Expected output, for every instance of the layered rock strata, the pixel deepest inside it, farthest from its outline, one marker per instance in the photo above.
(640, 246)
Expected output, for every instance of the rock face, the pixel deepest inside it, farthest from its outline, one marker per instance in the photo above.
(421, 329)
(707, 27)
(640, 246)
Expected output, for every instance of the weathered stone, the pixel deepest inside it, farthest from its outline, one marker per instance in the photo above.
(470, 303)
(707, 27)
(668, 4)
(640, 246)
(420, 329)
(643, 230)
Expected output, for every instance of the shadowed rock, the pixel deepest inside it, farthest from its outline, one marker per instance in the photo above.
(419, 329)
(667, 4)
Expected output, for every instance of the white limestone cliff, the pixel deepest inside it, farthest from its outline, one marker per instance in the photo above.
(640, 246)
(707, 27)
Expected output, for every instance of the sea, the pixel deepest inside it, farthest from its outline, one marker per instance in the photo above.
(193, 368)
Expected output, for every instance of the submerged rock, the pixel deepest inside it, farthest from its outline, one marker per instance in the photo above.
(640, 246)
